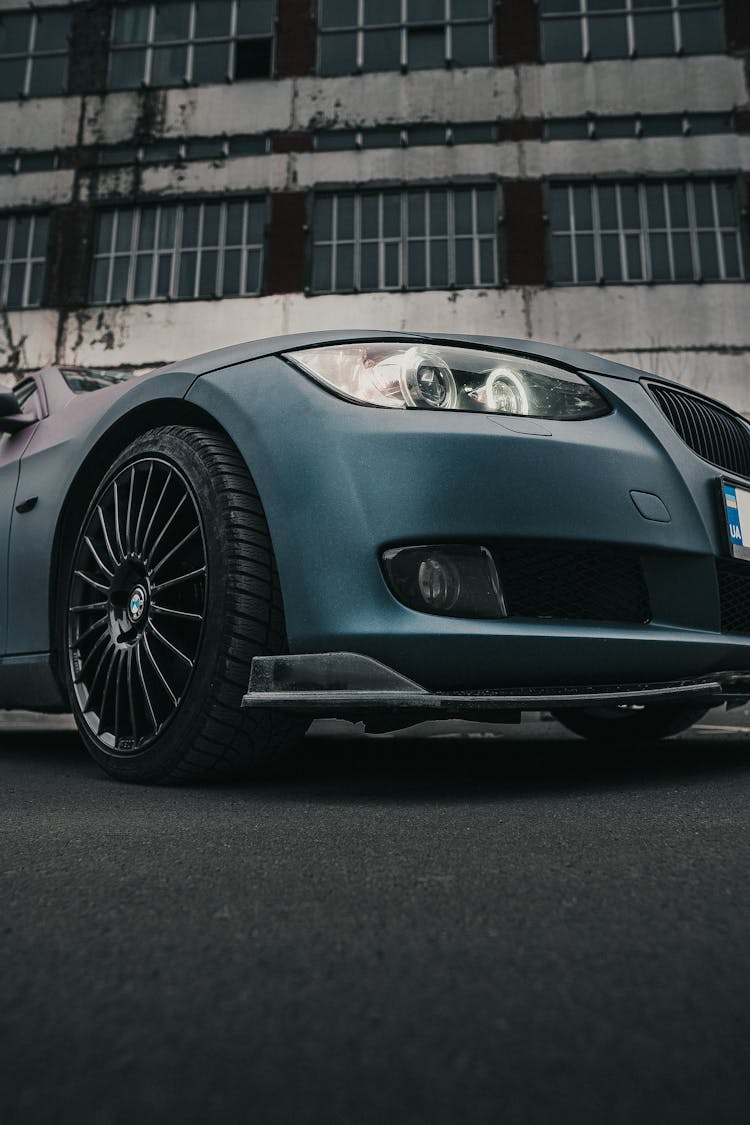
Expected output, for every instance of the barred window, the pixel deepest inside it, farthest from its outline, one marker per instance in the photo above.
(33, 53)
(23, 254)
(669, 230)
(420, 238)
(366, 35)
(180, 251)
(191, 41)
(637, 125)
(616, 29)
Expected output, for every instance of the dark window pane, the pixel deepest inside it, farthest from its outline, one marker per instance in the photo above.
(486, 211)
(704, 205)
(116, 156)
(47, 75)
(683, 257)
(205, 150)
(131, 24)
(417, 277)
(336, 141)
(655, 205)
(345, 217)
(470, 10)
(392, 265)
(463, 211)
(585, 255)
(438, 212)
(731, 256)
(120, 272)
(235, 213)
(210, 236)
(654, 34)
(474, 134)
(39, 237)
(426, 134)
(190, 226)
(391, 214)
(416, 213)
(472, 45)
(124, 230)
(252, 59)
(17, 279)
(253, 278)
(207, 281)
(7, 167)
(425, 11)
(381, 138)
(708, 257)
(662, 125)
(706, 123)
(126, 69)
(678, 211)
(582, 208)
(12, 77)
(147, 229)
(14, 33)
(103, 238)
(323, 218)
(167, 223)
(169, 65)
(702, 32)
(726, 199)
(52, 30)
(255, 17)
(438, 252)
(630, 206)
(256, 218)
(559, 208)
(37, 162)
(382, 11)
(210, 62)
(607, 5)
(573, 129)
(382, 50)
(142, 283)
(487, 270)
(36, 283)
(164, 275)
(550, 7)
(608, 37)
(611, 264)
(322, 269)
(161, 154)
(426, 47)
(614, 127)
(232, 265)
(186, 285)
(212, 18)
(369, 266)
(608, 208)
(561, 40)
(370, 216)
(633, 252)
(172, 22)
(338, 53)
(338, 13)
(344, 267)
(4, 225)
(247, 146)
(464, 261)
(659, 258)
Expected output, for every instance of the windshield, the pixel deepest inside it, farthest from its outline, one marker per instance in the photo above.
(81, 379)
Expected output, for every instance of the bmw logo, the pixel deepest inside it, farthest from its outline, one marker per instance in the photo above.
(137, 603)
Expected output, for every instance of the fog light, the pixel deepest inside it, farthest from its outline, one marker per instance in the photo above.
(454, 580)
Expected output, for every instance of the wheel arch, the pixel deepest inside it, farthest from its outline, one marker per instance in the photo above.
(146, 416)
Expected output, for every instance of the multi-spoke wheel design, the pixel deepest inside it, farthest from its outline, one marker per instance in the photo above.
(137, 604)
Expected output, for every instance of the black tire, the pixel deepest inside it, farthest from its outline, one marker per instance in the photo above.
(156, 687)
(630, 723)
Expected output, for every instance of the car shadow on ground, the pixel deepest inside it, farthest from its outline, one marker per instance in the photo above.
(535, 760)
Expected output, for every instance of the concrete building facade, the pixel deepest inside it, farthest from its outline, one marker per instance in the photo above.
(175, 177)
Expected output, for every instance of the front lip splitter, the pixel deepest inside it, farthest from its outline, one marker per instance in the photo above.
(336, 684)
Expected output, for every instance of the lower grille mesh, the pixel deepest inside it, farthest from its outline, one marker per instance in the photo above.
(734, 596)
(584, 583)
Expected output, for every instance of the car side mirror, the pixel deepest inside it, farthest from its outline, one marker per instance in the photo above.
(12, 417)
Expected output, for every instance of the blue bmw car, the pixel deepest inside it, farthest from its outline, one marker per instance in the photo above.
(375, 526)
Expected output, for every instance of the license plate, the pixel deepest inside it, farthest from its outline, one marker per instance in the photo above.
(737, 508)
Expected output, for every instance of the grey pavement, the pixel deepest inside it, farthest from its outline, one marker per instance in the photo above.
(500, 925)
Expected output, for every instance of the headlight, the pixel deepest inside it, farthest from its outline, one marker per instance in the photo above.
(436, 377)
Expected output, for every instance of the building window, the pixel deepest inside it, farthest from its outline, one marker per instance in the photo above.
(33, 53)
(421, 238)
(670, 230)
(618, 29)
(365, 35)
(191, 41)
(178, 251)
(23, 253)
(638, 125)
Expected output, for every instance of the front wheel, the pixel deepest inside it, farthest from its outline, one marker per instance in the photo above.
(630, 722)
(171, 591)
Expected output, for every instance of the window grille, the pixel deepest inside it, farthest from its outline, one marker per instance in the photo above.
(369, 35)
(191, 41)
(609, 29)
(668, 230)
(419, 238)
(178, 251)
(23, 254)
(33, 53)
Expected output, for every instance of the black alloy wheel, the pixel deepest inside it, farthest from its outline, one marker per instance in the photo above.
(172, 590)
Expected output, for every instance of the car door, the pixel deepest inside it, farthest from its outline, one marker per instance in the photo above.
(30, 395)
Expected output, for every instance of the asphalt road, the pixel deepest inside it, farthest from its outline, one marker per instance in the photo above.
(510, 928)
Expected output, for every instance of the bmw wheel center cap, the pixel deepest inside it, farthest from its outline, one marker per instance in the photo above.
(137, 604)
